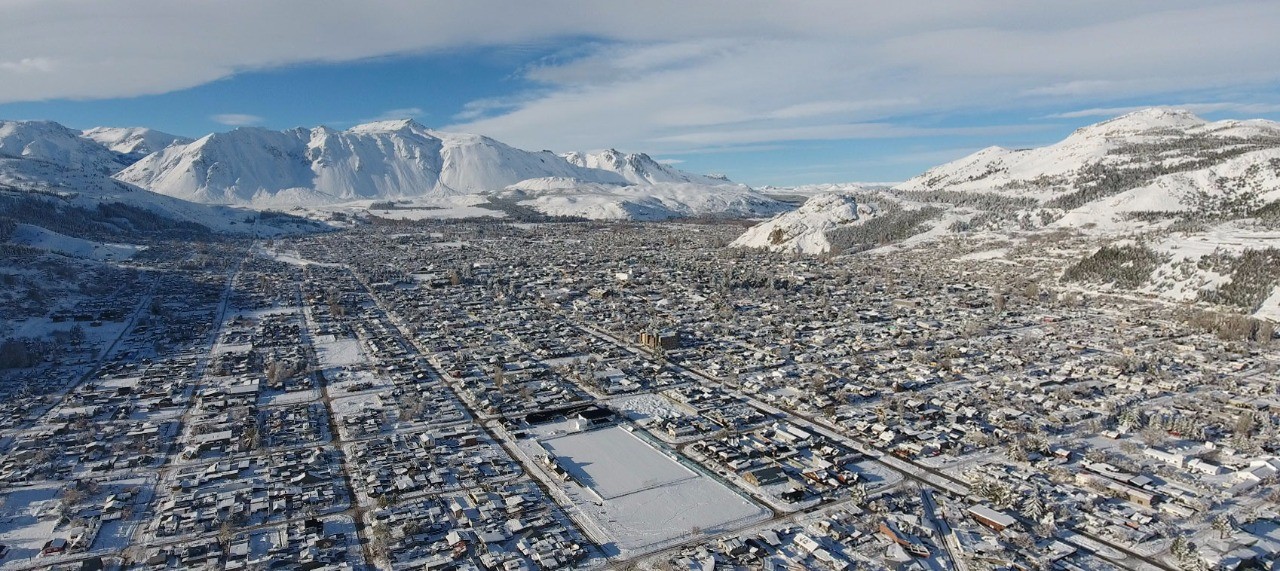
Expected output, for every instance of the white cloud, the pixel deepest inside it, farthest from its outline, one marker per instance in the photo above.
(724, 72)
(236, 119)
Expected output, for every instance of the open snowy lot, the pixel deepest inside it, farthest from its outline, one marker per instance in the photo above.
(28, 518)
(639, 499)
(337, 352)
(615, 463)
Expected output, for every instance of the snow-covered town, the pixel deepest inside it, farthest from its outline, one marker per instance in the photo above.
(423, 394)
(709, 285)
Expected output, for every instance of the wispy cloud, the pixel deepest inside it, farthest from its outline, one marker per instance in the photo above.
(1246, 108)
(719, 75)
(236, 119)
(28, 65)
(398, 113)
(481, 108)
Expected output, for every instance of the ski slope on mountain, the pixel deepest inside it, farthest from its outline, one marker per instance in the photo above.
(44, 239)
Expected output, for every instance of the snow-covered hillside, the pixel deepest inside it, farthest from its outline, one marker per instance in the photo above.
(54, 144)
(57, 168)
(825, 188)
(1243, 183)
(41, 238)
(656, 201)
(1102, 159)
(805, 230)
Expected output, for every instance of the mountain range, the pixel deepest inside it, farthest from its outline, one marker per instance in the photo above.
(405, 161)
(1143, 171)
(62, 180)
(211, 181)
(1159, 201)
(1146, 171)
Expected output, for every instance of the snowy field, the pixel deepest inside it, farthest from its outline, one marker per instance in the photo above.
(27, 521)
(615, 463)
(346, 381)
(640, 499)
(337, 352)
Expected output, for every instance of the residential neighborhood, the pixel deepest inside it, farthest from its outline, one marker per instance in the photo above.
(422, 395)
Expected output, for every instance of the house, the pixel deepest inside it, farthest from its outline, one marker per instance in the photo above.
(54, 546)
(991, 518)
(765, 476)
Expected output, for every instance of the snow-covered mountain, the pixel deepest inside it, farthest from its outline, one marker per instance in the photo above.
(402, 160)
(1134, 173)
(381, 160)
(47, 169)
(133, 143)
(639, 168)
(1103, 159)
(54, 144)
(806, 230)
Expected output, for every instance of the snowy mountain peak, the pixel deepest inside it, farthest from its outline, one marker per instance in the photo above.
(132, 142)
(388, 126)
(1154, 119)
(638, 168)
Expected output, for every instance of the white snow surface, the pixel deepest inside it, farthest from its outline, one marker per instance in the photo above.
(826, 188)
(614, 463)
(402, 160)
(641, 499)
(1270, 308)
(805, 229)
(37, 237)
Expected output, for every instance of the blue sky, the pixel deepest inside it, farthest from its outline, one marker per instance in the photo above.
(765, 92)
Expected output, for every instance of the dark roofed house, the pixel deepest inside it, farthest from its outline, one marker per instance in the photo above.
(765, 476)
